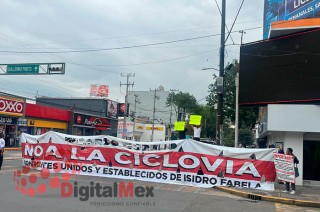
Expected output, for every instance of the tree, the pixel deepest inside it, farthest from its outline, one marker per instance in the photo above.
(229, 97)
(247, 116)
(208, 120)
(184, 102)
(246, 137)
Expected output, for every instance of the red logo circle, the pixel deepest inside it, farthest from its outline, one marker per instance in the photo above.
(78, 119)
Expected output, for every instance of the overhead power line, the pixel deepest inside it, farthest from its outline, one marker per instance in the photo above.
(130, 47)
(235, 20)
(109, 49)
(226, 24)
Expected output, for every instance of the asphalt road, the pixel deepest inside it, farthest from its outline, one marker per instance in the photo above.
(166, 197)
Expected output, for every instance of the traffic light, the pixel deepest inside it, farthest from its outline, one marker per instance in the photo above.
(56, 68)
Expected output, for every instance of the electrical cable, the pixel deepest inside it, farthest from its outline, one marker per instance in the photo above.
(234, 20)
(126, 36)
(225, 24)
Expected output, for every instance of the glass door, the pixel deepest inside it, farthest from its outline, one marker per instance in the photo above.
(311, 160)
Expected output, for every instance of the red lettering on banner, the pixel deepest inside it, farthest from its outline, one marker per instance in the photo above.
(186, 162)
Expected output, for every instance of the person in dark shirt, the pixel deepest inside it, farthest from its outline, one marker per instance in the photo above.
(280, 150)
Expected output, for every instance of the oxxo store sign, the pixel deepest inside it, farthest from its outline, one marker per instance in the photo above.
(11, 106)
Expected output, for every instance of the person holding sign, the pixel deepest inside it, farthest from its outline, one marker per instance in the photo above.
(195, 122)
(196, 132)
(289, 151)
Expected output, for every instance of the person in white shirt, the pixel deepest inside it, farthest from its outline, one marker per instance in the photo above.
(196, 132)
(2, 145)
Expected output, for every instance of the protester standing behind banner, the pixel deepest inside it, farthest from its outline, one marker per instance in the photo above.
(196, 132)
(2, 145)
(289, 151)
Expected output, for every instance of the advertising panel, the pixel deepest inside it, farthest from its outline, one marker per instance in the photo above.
(99, 90)
(112, 109)
(11, 106)
(93, 121)
(280, 10)
(121, 108)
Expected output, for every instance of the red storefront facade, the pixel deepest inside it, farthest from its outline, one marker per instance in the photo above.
(41, 119)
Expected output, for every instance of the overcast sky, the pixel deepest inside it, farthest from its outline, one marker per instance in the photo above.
(61, 25)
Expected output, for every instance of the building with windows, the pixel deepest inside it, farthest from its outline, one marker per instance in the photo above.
(145, 107)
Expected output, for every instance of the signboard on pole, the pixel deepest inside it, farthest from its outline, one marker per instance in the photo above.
(99, 90)
(195, 119)
(32, 69)
(23, 69)
(284, 167)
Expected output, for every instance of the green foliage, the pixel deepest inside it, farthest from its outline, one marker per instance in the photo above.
(248, 116)
(246, 137)
(184, 102)
(229, 97)
(208, 120)
(228, 136)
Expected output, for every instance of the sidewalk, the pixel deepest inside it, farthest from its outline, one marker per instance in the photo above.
(307, 196)
(12, 149)
(12, 155)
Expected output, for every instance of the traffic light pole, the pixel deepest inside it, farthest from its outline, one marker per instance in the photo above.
(221, 74)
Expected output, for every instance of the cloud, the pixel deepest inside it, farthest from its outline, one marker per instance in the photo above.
(36, 25)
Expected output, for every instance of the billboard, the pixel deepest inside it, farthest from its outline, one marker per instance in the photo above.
(11, 106)
(280, 10)
(282, 70)
(121, 109)
(99, 90)
(112, 109)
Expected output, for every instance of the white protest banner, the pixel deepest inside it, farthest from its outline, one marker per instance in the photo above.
(284, 167)
(184, 162)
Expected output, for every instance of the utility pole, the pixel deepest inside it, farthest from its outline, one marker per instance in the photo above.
(236, 130)
(154, 112)
(221, 73)
(136, 100)
(171, 103)
(124, 134)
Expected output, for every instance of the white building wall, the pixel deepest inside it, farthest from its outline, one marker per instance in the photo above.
(159, 135)
(145, 107)
(294, 118)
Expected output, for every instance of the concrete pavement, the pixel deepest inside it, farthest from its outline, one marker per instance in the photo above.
(306, 196)
(166, 198)
(12, 154)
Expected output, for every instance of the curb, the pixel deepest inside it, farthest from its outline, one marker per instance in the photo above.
(12, 148)
(12, 158)
(288, 201)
